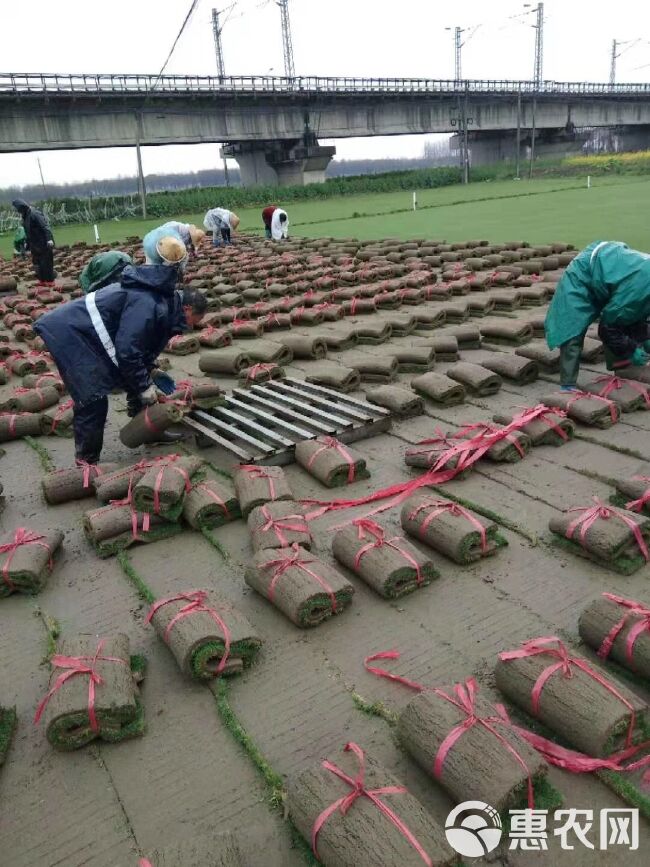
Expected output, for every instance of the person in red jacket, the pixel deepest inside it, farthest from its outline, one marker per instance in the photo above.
(276, 223)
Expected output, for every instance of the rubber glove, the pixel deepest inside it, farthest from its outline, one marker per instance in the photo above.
(163, 382)
(640, 357)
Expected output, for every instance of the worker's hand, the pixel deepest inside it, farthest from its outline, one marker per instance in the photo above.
(150, 396)
(640, 357)
(50, 243)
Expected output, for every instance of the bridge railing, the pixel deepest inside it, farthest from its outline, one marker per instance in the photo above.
(35, 83)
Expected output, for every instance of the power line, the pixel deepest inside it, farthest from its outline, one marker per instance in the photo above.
(191, 10)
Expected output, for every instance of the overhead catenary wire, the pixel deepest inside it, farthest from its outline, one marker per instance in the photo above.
(190, 12)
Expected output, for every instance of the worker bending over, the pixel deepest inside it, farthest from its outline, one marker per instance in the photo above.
(276, 223)
(221, 222)
(606, 281)
(111, 338)
(103, 269)
(189, 234)
(39, 241)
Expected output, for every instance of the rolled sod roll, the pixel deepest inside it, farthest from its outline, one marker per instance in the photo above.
(513, 332)
(610, 540)
(276, 321)
(148, 424)
(401, 324)
(456, 532)
(22, 365)
(592, 351)
(31, 399)
(364, 834)
(214, 337)
(391, 566)
(26, 559)
(117, 712)
(478, 765)
(594, 411)
(260, 373)
(115, 485)
(302, 587)
(440, 388)
(304, 345)
(535, 294)
(210, 504)
(162, 488)
(245, 329)
(114, 528)
(640, 374)
(628, 396)
(481, 306)
(476, 379)
(543, 431)
(182, 344)
(401, 402)
(510, 449)
(39, 380)
(428, 318)
(331, 462)
(456, 313)
(633, 493)
(4, 374)
(410, 295)
(332, 375)
(520, 370)
(547, 359)
(428, 453)
(75, 483)
(228, 359)
(214, 850)
(306, 316)
(572, 702)
(268, 351)
(468, 336)
(204, 395)
(339, 337)
(388, 300)
(414, 359)
(255, 486)
(373, 368)
(58, 420)
(445, 348)
(279, 525)
(372, 332)
(618, 629)
(13, 426)
(331, 312)
(207, 636)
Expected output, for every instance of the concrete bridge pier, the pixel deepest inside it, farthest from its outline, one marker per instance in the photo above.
(488, 147)
(280, 163)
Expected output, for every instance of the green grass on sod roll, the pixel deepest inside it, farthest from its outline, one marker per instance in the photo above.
(110, 548)
(7, 727)
(404, 581)
(473, 542)
(545, 795)
(621, 501)
(244, 650)
(622, 565)
(319, 604)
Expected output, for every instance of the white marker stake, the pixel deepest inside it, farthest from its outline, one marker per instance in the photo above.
(588, 182)
(96, 233)
(415, 201)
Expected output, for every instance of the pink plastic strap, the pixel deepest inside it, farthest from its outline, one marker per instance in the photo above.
(299, 560)
(22, 536)
(613, 383)
(367, 528)
(591, 514)
(632, 610)
(333, 443)
(440, 507)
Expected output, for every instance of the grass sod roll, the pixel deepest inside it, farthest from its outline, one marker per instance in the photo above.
(478, 766)
(439, 388)
(116, 485)
(339, 337)
(258, 374)
(602, 616)
(21, 366)
(521, 371)
(304, 346)
(279, 525)
(540, 432)
(13, 426)
(182, 344)
(75, 483)
(401, 324)
(148, 424)
(428, 317)
(427, 453)
(202, 395)
(306, 316)
(26, 564)
(414, 359)
(8, 722)
(33, 380)
(640, 374)
(451, 532)
(373, 368)
(629, 398)
(629, 489)
(364, 835)
(579, 708)
(595, 412)
(468, 336)
(213, 850)
(255, 486)
(228, 359)
(246, 329)
(510, 449)
(387, 567)
(332, 375)
(31, 399)
(286, 578)
(210, 504)
(401, 402)
(371, 332)
(162, 489)
(213, 338)
(445, 347)
(58, 420)
(268, 351)
(331, 462)
(114, 528)
(197, 640)
(477, 380)
(511, 332)
(118, 710)
(547, 359)
(593, 351)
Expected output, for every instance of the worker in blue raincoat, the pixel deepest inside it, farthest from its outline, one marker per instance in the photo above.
(111, 338)
(606, 281)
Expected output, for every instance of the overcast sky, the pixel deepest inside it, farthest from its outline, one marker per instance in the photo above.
(330, 37)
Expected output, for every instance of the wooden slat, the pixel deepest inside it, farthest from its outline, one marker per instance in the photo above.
(271, 419)
(207, 432)
(286, 393)
(231, 415)
(333, 395)
(218, 424)
(273, 404)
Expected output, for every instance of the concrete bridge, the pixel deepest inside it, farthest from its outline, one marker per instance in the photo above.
(271, 125)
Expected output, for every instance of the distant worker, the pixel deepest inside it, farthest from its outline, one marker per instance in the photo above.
(221, 222)
(162, 246)
(190, 234)
(111, 339)
(276, 223)
(606, 281)
(103, 269)
(20, 242)
(39, 241)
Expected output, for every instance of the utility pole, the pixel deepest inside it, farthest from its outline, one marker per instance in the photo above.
(457, 54)
(40, 170)
(287, 45)
(218, 48)
(538, 75)
(612, 67)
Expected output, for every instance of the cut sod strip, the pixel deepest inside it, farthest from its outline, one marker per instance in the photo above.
(147, 425)
(214, 850)
(255, 486)
(57, 420)
(74, 716)
(614, 538)
(477, 380)
(633, 493)
(390, 565)
(260, 373)
(162, 489)
(455, 531)
(31, 399)
(439, 388)
(116, 484)
(551, 428)
(619, 630)
(210, 504)
(522, 371)
(207, 636)
(301, 586)
(537, 351)
(201, 395)
(400, 831)
(279, 525)
(629, 396)
(229, 359)
(182, 344)
(27, 559)
(506, 449)
(331, 462)
(332, 375)
(14, 425)
(401, 402)
(445, 347)
(600, 412)
(75, 483)
(114, 528)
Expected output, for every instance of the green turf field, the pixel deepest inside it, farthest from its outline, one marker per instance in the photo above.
(541, 210)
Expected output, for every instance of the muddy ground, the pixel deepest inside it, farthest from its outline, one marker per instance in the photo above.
(107, 805)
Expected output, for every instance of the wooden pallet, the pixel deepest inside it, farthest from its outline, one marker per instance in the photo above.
(262, 424)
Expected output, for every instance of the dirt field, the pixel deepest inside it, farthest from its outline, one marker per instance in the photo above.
(108, 805)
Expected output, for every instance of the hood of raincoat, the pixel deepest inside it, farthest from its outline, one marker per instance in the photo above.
(21, 206)
(104, 268)
(151, 278)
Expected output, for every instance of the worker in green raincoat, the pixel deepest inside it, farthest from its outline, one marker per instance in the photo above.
(20, 242)
(606, 281)
(103, 269)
